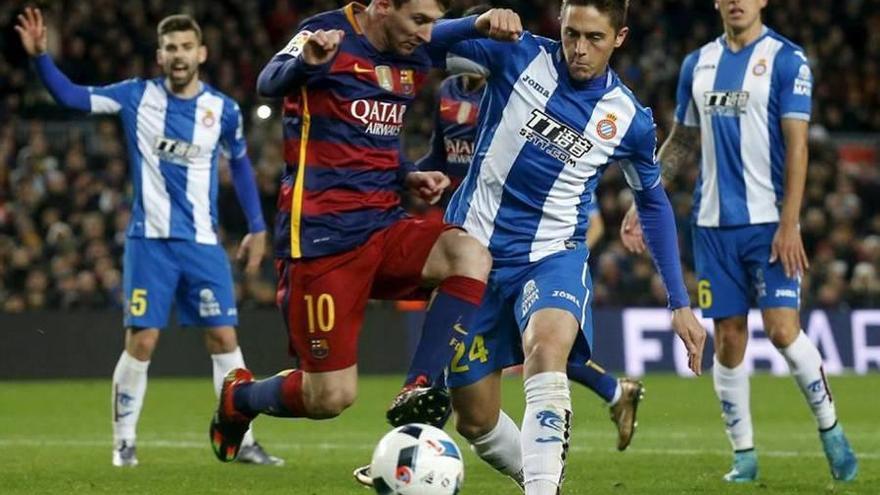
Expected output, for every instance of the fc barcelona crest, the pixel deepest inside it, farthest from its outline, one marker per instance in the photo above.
(407, 81)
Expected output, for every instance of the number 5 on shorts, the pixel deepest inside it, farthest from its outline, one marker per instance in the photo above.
(325, 310)
(138, 304)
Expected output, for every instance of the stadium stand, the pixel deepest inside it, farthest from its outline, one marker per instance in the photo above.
(63, 195)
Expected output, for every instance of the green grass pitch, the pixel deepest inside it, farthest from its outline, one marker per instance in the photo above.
(55, 438)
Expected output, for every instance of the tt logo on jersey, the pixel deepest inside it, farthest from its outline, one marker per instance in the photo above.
(555, 138)
(726, 103)
(175, 151)
(381, 117)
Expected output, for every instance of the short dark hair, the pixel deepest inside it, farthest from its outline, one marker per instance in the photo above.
(616, 9)
(178, 22)
(443, 3)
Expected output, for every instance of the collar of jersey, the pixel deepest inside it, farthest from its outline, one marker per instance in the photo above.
(747, 48)
(202, 88)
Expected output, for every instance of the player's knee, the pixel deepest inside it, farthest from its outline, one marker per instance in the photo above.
(221, 341)
(141, 343)
(475, 423)
(782, 335)
(469, 258)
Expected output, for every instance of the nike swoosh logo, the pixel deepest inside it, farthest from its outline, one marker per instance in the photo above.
(732, 423)
(460, 329)
(444, 108)
(122, 415)
(549, 440)
(360, 70)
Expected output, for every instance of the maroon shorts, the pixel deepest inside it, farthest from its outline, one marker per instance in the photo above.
(323, 299)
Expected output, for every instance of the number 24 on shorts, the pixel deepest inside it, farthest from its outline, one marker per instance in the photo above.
(477, 351)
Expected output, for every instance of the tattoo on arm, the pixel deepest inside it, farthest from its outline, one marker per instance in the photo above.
(681, 148)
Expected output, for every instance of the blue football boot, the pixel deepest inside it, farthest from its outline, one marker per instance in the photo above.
(745, 467)
(841, 458)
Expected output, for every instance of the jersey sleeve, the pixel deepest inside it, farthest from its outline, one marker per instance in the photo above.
(794, 85)
(641, 168)
(288, 70)
(232, 136)
(685, 107)
(483, 56)
(110, 99)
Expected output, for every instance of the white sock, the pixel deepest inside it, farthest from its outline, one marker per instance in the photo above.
(501, 449)
(127, 396)
(545, 432)
(618, 392)
(806, 368)
(223, 363)
(732, 389)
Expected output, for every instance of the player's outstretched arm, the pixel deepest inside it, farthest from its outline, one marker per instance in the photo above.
(32, 31)
(307, 53)
(658, 222)
(681, 149)
(500, 25)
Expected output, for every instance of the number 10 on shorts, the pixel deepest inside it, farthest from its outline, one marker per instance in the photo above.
(320, 310)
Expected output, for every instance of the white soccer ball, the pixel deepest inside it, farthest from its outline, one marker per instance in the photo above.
(417, 459)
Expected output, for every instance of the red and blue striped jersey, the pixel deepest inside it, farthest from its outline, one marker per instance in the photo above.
(342, 151)
(455, 132)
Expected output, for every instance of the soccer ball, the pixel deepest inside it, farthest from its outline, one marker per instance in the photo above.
(417, 459)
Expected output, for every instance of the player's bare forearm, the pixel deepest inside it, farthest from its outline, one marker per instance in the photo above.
(681, 149)
(796, 134)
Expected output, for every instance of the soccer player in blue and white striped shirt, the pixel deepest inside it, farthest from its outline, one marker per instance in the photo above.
(744, 101)
(175, 127)
(554, 117)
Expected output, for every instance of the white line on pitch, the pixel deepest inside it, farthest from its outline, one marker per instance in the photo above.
(172, 444)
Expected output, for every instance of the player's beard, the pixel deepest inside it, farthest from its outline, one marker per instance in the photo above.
(180, 81)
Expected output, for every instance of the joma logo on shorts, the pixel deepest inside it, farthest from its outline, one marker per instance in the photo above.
(790, 293)
(566, 295)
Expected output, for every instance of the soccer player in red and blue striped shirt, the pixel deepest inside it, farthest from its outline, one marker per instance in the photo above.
(342, 238)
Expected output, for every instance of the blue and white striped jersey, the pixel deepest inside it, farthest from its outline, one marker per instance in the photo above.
(739, 100)
(173, 147)
(543, 141)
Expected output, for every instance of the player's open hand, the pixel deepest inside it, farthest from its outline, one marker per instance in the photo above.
(252, 250)
(631, 231)
(32, 31)
(322, 46)
(692, 334)
(500, 24)
(428, 185)
(789, 248)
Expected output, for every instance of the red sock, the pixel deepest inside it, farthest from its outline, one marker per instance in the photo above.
(292, 394)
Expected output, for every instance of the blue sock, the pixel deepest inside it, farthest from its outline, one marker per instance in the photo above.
(594, 378)
(263, 396)
(450, 313)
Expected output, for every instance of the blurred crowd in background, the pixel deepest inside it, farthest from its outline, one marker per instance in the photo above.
(64, 190)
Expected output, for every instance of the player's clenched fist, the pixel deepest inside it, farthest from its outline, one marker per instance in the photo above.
(500, 24)
(32, 31)
(322, 46)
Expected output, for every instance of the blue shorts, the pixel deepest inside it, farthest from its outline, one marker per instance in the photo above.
(157, 272)
(733, 266)
(513, 295)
